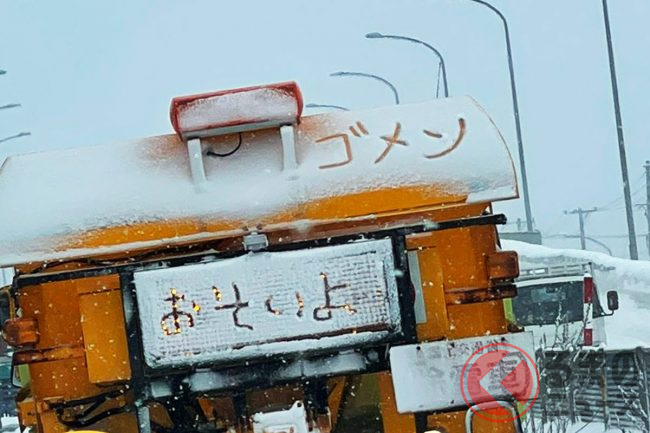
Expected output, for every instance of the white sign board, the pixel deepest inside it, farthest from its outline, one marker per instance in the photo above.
(268, 303)
(427, 376)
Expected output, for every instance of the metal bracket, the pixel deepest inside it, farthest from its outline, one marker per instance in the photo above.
(197, 166)
(496, 404)
(196, 162)
(288, 137)
(256, 242)
(291, 420)
(144, 418)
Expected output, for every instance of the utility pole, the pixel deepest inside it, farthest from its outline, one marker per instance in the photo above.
(647, 201)
(582, 214)
(634, 252)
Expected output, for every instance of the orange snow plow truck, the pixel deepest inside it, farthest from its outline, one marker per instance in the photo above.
(260, 271)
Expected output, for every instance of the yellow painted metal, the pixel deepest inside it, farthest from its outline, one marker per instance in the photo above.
(82, 348)
(104, 337)
(393, 421)
(449, 261)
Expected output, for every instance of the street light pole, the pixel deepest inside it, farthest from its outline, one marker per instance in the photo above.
(634, 252)
(515, 105)
(336, 107)
(373, 76)
(441, 60)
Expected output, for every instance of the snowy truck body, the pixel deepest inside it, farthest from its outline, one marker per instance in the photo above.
(236, 275)
(561, 305)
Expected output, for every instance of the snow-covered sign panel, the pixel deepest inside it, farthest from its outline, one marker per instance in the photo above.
(423, 155)
(443, 374)
(266, 303)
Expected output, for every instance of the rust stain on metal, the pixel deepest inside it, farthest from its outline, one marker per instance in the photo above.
(475, 295)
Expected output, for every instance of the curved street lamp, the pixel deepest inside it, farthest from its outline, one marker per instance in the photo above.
(515, 105)
(4, 107)
(336, 107)
(7, 106)
(374, 77)
(21, 134)
(441, 60)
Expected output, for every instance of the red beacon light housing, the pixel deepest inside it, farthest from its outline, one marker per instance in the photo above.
(235, 111)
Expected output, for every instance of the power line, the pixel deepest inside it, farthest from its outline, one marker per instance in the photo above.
(612, 205)
(637, 182)
(583, 214)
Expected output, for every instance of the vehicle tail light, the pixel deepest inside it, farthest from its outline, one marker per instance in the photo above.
(588, 335)
(502, 265)
(236, 110)
(588, 289)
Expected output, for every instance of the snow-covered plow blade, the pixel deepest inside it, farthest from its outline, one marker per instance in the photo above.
(348, 165)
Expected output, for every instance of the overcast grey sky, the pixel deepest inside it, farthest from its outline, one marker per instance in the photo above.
(102, 71)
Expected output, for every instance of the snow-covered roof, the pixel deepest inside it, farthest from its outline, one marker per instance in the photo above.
(627, 328)
(442, 148)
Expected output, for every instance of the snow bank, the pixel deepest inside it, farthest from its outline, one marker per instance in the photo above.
(628, 327)
(9, 424)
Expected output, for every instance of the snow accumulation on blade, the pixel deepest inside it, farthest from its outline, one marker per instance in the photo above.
(445, 148)
(628, 327)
